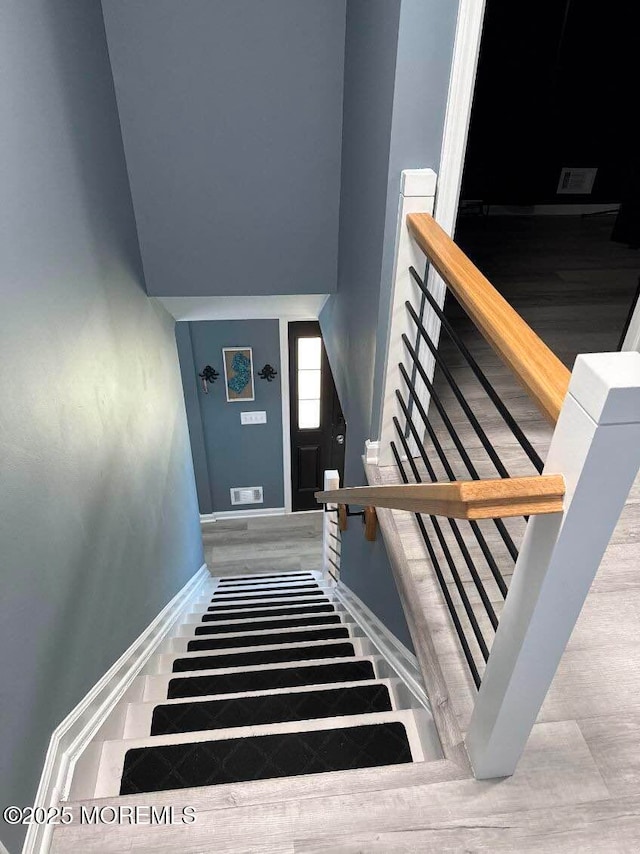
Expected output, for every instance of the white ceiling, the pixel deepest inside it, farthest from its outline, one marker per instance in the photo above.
(298, 306)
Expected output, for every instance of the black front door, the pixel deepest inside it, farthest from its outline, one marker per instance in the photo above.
(318, 429)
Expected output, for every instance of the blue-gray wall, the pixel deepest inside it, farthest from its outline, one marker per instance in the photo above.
(231, 116)
(425, 48)
(225, 453)
(349, 318)
(98, 514)
(397, 66)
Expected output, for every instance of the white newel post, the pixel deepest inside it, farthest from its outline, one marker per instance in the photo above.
(596, 446)
(417, 195)
(330, 561)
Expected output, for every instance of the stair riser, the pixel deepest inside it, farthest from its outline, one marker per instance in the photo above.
(249, 612)
(164, 663)
(179, 644)
(156, 686)
(137, 723)
(239, 625)
(303, 584)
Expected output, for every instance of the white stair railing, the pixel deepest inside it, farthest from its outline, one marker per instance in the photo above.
(596, 446)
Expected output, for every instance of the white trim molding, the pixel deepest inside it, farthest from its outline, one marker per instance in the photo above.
(417, 193)
(391, 648)
(283, 327)
(464, 65)
(72, 736)
(242, 514)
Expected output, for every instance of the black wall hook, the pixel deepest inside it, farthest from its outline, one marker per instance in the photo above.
(208, 375)
(268, 373)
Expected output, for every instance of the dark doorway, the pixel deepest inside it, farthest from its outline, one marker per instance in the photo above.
(318, 429)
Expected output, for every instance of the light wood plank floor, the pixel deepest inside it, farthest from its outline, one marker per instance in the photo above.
(264, 544)
(577, 788)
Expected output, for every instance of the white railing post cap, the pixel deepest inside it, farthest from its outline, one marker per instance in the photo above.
(607, 386)
(418, 182)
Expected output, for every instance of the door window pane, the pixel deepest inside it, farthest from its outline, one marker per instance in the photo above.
(309, 385)
(309, 353)
(308, 414)
(309, 382)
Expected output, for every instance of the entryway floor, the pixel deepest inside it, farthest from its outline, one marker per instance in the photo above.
(264, 544)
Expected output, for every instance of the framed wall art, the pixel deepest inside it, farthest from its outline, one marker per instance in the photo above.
(238, 373)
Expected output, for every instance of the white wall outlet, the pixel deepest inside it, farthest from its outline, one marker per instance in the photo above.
(253, 417)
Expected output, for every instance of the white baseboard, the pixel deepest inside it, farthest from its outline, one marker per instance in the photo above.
(76, 731)
(242, 514)
(393, 650)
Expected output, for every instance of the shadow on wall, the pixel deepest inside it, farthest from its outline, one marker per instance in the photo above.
(99, 523)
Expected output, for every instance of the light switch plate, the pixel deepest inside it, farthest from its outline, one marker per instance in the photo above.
(253, 417)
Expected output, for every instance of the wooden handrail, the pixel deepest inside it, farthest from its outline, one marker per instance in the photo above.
(536, 367)
(461, 499)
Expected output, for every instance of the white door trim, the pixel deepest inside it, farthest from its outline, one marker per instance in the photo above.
(286, 415)
(286, 406)
(464, 64)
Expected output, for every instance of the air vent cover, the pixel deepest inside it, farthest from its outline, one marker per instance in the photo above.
(576, 181)
(246, 495)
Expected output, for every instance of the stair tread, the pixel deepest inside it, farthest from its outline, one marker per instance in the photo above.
(270, 708)
(256, 577)
(275, 611)
(257, 602)
(286, 677)
(153, 768)
(271, 656)
(273, 588)
(265, 625)
(287, 593)
(269, 637)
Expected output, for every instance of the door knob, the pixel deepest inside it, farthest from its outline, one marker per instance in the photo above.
(340, 439)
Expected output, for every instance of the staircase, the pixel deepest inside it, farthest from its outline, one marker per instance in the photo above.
(269, 676)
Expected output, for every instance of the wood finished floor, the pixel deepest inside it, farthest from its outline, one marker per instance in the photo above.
(577, 788)
(264, 544)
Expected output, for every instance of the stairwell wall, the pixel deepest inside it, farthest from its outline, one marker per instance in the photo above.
(99, 520)
(397, 66)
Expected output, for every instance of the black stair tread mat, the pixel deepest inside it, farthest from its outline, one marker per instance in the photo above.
(270, 709)
(236, 605)
(265, 625)
(208, 763)
(273, 611)
(234, 579)
(264, 640)
(237, 597)
(263, 656)
(254, 591)
(267, 581)
(264, 680)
